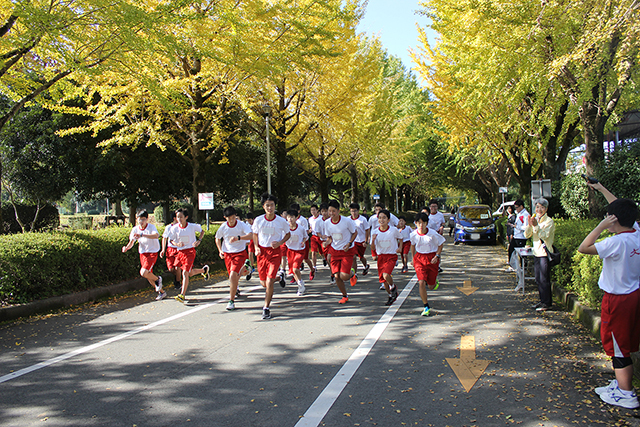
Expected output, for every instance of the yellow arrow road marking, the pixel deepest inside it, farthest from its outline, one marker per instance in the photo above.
(466, 288)
(468, 369)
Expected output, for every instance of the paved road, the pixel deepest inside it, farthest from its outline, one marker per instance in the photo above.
(146, 363)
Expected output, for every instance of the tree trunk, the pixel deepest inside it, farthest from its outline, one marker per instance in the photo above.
(133, 206)
(166, 213)
(323, 181)
(282, 178)
(593, 129)
(251, 197)
(118, 204)
(353, 174)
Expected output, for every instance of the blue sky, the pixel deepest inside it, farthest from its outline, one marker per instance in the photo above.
(394, 21)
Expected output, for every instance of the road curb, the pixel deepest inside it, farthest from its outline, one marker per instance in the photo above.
(64, 301)
(587, 316)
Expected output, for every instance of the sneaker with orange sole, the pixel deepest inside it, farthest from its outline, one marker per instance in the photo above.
(343, 300)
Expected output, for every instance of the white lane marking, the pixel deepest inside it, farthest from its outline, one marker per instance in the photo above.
(37, 366)
(317, 411)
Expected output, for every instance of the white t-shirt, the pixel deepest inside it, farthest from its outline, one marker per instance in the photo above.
(313, 220)
(225, 232)
(145, 244)
(436, 221)
(426, 243)
(406, 233)
(520, 225)
(373, 221)
(340, 232)
(362, 225)
(386, 242)
(167, 233)
(620, 262)
(298, 237)
(186, 235)
(302, 222)
(269, 231)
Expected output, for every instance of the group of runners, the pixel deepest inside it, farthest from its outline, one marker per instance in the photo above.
(272, 242)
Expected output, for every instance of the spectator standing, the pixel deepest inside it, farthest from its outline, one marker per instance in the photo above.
(541, 229)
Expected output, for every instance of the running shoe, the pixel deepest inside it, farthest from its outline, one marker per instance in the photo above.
(343, 300)
(266, 314)
(615, 397)
(440, 269)
(180, 298)
(437, 285)
(161, 296)
(426, 311)
(366, 270)
(324, 262)
(206, 274)
(390, 300)
(606, 389)
(381, 287)
(247, 265)
(312, 274)
(292, 281)
(333, 279)
(159, 284)
(394, 293)
(237, 292)
(543, 307)
(301, 289)
(354, 279)
(231, 306)
(404, 270)
(282, 281)
(302, 267)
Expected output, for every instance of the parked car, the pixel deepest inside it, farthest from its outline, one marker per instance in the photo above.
(503, 208)
(474, 223)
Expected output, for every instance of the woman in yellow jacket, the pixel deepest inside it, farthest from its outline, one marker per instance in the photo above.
(541, 228)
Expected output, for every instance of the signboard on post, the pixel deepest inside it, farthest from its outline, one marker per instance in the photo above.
(205, 203)
(376, 197)
(503, 190)
(540, 188)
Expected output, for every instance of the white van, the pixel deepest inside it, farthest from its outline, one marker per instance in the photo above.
(503, 207)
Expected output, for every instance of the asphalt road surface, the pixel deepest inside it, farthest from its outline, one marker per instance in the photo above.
(484, 359)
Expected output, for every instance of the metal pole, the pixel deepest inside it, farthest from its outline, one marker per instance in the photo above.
(207, 220)
(268, 158)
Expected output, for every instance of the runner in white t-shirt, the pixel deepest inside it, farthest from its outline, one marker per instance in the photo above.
(386, 241)
(270, 232)
(426, 247)
(232, 239)
(302, 222)
(296, 248)
(363, 228)
(148, 246)
(315, 243)
(341, 233)
(171, 252)
(184, 236)
(405, 231)
(436, 218)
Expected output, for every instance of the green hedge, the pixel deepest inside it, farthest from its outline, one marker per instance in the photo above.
(40, 265)
(48, 218)
(576, 272)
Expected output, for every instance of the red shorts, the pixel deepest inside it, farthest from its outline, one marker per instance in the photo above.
(172, 260)
(185, 259)
(316, 244)
(341, 261)
(295, 259)
(424, 270)
(406, 246)
(360, 248)
(235, 261)
(269, 263)
(620, 324)
(386, 264)
(251, 247)
(307, 246)
(148, 260)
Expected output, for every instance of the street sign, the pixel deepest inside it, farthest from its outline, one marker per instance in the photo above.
(376, 197)
(541, 188)
(205, 201)
(503, 190)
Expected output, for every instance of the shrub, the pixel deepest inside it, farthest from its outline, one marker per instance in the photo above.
(41, 265)
(568, 236)
(501, 229)
(574, 198)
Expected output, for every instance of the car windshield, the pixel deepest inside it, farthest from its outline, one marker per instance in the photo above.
(474, 213)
